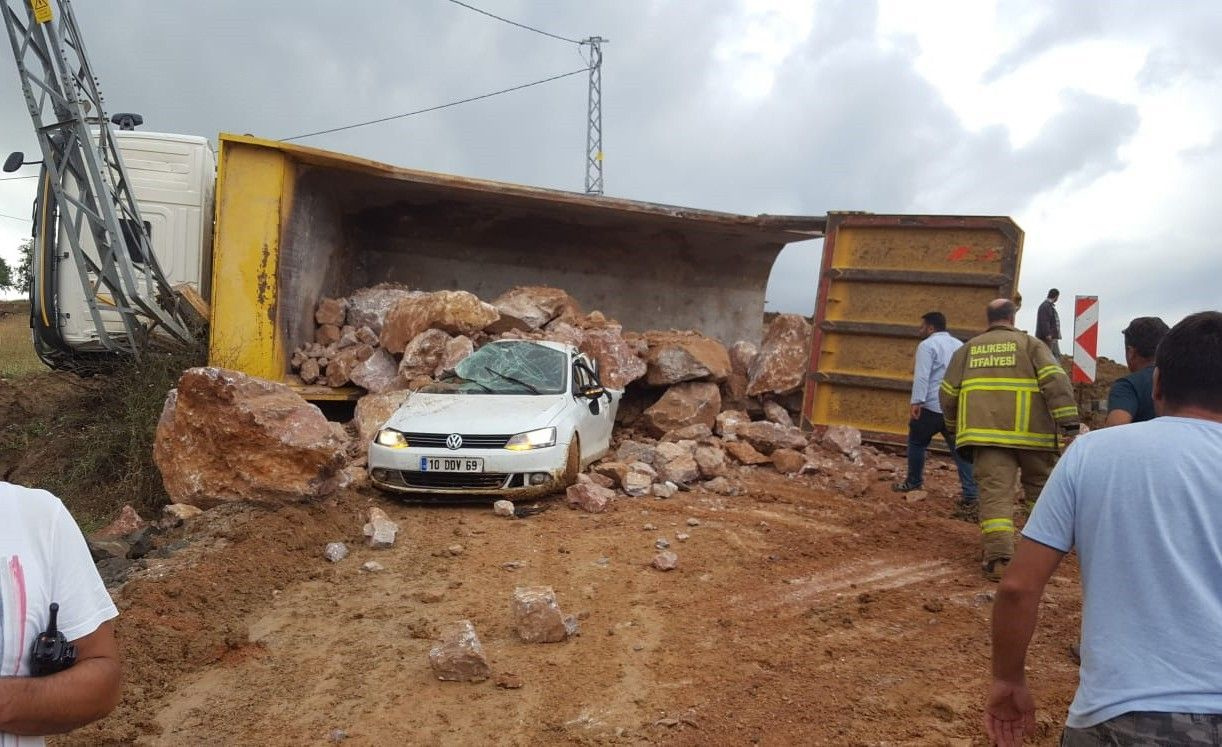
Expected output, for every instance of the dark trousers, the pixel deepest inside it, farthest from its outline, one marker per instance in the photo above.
(920, 433)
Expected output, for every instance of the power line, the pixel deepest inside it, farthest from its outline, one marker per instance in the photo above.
(13, 217)
(515, 23)
(441, 106)
(14, 178)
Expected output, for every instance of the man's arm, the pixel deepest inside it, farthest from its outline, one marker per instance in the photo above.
(920, 378)
(1009, 711)
(1043, 324)
(1054, 385)
(948, 393)
(83, 693)
(1121, 403)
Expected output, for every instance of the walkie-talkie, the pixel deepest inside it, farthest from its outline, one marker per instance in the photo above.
(52, 652)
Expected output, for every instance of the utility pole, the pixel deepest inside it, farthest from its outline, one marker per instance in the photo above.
(594, 118)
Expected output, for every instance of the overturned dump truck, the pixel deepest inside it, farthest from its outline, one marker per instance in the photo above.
(295, 224)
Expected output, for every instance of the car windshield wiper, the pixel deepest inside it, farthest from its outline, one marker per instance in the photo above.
(507, 377)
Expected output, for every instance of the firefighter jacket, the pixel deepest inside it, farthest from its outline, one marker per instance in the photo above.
(1004, 388)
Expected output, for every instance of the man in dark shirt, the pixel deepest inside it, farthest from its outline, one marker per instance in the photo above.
(1131, 399)
(1048, 323)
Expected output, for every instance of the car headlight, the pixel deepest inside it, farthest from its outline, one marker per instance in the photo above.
(537, 439)
(391, 438)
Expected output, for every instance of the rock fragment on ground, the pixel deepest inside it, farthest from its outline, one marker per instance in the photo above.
(788, 461)
(537, 616)
(459, 655)
(379, 530)
(844, 438)
(666, 561)
(745, 453)
(372, 566)
(588, 496)
(335, 551)
(503, 508)
(125, 523)
(767, 437)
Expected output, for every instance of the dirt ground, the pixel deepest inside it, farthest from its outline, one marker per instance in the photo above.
(796, 616)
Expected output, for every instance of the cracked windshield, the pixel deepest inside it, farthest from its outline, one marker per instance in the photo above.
(508, 368)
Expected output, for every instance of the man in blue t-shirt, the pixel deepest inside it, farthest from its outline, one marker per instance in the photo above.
(1143, 508)
(1131, 399)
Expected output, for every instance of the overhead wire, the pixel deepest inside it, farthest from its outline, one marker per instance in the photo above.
(14, 178)
(515, 23)
(440, 106)
(13, 217)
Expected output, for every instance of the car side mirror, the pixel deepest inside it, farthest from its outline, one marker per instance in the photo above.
(593, 392)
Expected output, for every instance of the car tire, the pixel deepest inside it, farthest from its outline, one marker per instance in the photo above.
(572, 464)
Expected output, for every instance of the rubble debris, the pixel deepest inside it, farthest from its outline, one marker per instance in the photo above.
(710, 459)
(726, 423)
(372, 566)
(424, 354)
(503, 508)
(458, 655)
(776, 413)
(379, 530)
(289, 451)
(742, 355)
(373, 410)
(675, 357)
(106, 549)
(327, 334)
(377, 373)
(456, 351)
(368, 307)
(537, 616)
(456, 550)
(335, 551)
(745, 453)
(661, 543)
(788, 461)
(603, 480)
(638, 479)
(588, 495)
(537, 305)
(692, 521)
(780, 366)
(720, 486)
(125, 523)
(663, 490)
(694, 432)
(614, 471)
(682, 405)
(331, 311)
(846, 439)
(680, 469)
(455, 312)
(683, 536)
(767, 437)
(635, 451)
(618, 363)
(665, 561)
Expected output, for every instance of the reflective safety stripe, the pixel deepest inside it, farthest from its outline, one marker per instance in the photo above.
(990, 526)
(1008, 384)
(953, 391)
(987, 436)
(1047, 371)
(1064, 412)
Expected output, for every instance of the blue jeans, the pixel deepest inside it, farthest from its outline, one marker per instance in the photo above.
(920, 432)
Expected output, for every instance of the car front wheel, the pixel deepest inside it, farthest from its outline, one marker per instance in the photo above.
(572, 465)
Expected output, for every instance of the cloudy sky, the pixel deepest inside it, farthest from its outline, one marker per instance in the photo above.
(1096, 125)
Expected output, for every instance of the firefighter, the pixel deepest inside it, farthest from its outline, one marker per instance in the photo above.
(1010, 405)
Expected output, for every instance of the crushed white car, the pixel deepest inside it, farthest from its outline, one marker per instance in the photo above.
(519, 418)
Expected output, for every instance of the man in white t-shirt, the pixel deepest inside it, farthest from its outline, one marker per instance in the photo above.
(44, 560)
(1142, 506)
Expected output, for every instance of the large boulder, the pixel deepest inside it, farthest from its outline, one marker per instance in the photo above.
(766, 437)
(456, 351)
(618, 363)
(424, 354)
(683, 405)
(780, 367)
(456, 312)
(368, 307)
(537, 305)
(742, 355)
(373, 410)
(684, 356)
(224, 436)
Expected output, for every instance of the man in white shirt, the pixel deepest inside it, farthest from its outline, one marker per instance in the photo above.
(1141, 507)
(925, 411)
(44, 560)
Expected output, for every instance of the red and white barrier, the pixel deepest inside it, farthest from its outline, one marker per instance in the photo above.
(1085, 338)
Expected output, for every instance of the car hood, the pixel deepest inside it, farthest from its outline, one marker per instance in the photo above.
(476, 413)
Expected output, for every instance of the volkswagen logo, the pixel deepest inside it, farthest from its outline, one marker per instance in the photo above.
(453, 441)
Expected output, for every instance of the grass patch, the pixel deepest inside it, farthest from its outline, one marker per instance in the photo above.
(17, 358)
(95, 451)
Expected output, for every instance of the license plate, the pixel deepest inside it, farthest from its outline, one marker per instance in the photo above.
(451, 464)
